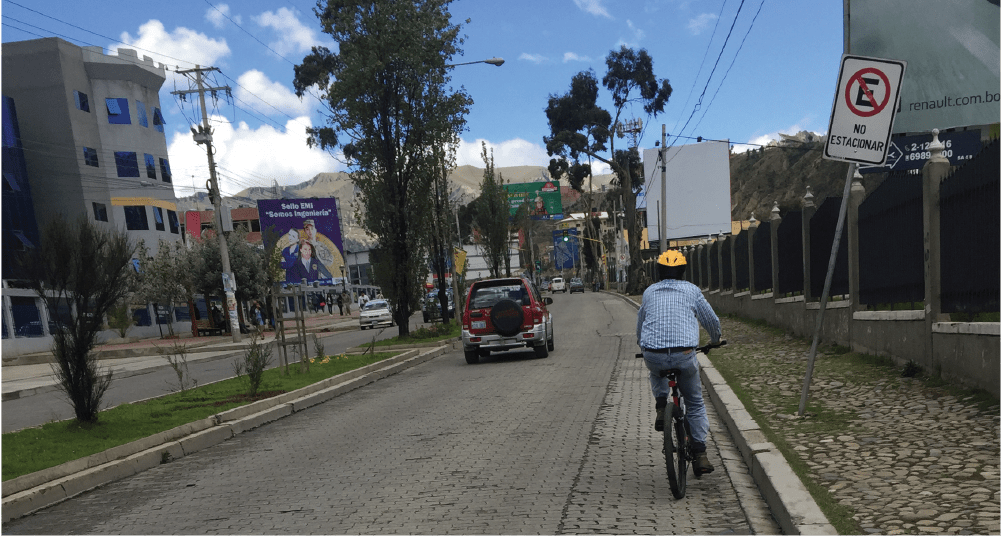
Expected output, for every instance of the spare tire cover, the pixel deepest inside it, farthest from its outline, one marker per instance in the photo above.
(507, 317)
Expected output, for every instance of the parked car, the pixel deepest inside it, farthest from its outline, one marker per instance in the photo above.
(503, 314)
(431, 306)
(374, 313)
(576, 286)
(557, 284)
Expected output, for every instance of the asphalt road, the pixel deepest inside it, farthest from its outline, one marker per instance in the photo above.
(47, 406)
(513, 445)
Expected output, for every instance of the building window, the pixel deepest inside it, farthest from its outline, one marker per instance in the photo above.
(247, 226)
(135, 218)
(127, 163)
(118, 111)
(158, 217)
(175, 227)
(151, 166)
(90, 156)
(141, 110)
(158, 119)
(81, 101)
(165, 170)
(100, 212)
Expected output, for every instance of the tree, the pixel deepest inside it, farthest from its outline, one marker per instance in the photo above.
(83, 271)
(389, 105)
(247, 261)
(491, 219)
(577, 126)
(165, 279)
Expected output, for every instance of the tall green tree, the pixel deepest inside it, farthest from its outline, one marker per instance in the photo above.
(82, 271)
(577, 126)
(389, 103)
(248, 263)
(491, 218)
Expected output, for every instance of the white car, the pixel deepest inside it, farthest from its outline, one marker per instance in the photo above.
(557, 284)
(375, 313)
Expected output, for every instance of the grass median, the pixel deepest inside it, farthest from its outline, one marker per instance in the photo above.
(52, 444)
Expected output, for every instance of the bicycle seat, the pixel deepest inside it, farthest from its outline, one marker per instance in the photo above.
(674, 372)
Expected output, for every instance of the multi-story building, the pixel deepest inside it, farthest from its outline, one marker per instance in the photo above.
(93, 135)
(91, 132)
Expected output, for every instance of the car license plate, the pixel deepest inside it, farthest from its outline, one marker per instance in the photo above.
(479, 324)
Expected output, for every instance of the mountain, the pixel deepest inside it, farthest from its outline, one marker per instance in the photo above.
(778, 173)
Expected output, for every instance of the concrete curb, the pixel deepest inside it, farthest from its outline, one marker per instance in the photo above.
(29, 493)
(791, 503)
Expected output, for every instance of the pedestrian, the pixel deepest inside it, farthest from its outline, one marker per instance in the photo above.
(330, 302)
(340, 303)
(347, 302)
(362, 299)
(256, 317)
(668, 333)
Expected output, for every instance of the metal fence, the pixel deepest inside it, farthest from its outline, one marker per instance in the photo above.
(822, 229)
(791, 253)
(741, 277)
(969, 241)
(890, 243)
(762, 256)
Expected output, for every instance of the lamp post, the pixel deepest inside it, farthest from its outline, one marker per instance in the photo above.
(493, 61)
(342, 279)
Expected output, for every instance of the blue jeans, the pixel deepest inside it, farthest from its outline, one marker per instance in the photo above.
(688, 385)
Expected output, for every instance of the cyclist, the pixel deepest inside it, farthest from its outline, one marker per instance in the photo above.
(668, 334)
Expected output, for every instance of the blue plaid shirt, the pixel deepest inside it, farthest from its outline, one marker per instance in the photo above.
(669, 315)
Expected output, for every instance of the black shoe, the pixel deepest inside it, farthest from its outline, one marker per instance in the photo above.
(701, 465)
(659, 419)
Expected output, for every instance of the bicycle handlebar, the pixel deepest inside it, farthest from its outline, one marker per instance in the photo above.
(705, 349)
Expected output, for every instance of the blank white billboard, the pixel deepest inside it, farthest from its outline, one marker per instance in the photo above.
(698, 186)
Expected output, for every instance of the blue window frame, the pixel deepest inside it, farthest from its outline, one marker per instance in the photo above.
(127, 163)
(100, 212)
(90, 156)
(142, 317)
(118, 111)
(80, 98)
(141, 110)
(158, 218)
(175, 227)
(158, 119)
(165, 170)
(151, 166)
(135, 218)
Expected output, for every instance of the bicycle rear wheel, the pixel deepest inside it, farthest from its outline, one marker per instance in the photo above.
(674, 450)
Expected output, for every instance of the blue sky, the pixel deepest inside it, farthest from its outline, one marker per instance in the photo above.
(781, 80)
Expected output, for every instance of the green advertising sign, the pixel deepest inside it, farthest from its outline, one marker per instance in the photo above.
(543, 198)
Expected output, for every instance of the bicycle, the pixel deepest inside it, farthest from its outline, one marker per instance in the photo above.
(677, 447)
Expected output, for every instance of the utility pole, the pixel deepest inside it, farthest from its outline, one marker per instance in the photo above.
(663, 232)
(204, 136)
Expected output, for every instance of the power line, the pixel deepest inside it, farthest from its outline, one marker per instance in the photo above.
(702, 62)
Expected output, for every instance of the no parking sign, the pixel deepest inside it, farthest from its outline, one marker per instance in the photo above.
(866, 100)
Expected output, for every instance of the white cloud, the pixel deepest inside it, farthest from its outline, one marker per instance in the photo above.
(534, 58)
(594, 7)
(269, 97)
(248, 157)
(182, 47)
(764, 139)
(217, 15)
(515, 152)
(573, 57)
(294, 36)
(637, 37)
(700, 23)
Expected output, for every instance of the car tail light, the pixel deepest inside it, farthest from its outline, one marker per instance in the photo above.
(474, 340)
(528, 335)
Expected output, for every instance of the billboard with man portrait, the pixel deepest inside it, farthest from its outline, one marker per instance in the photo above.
(308, 236)
(543, 198)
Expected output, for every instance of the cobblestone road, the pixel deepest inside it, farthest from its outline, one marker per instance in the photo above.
(514, 445)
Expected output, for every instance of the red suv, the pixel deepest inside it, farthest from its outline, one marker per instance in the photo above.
(503, 314)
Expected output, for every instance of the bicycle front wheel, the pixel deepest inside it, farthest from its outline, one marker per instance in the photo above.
(674, 450)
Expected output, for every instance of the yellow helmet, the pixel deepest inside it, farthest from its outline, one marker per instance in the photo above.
(672, 258)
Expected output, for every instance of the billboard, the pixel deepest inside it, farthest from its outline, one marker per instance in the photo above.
(308, 236)
(543, 198)
(565, 254)
(698, 183)
(952, 50)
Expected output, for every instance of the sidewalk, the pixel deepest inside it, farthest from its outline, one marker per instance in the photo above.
(32, 374)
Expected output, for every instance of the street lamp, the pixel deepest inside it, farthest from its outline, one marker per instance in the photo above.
(493, 61)
(343, 288)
